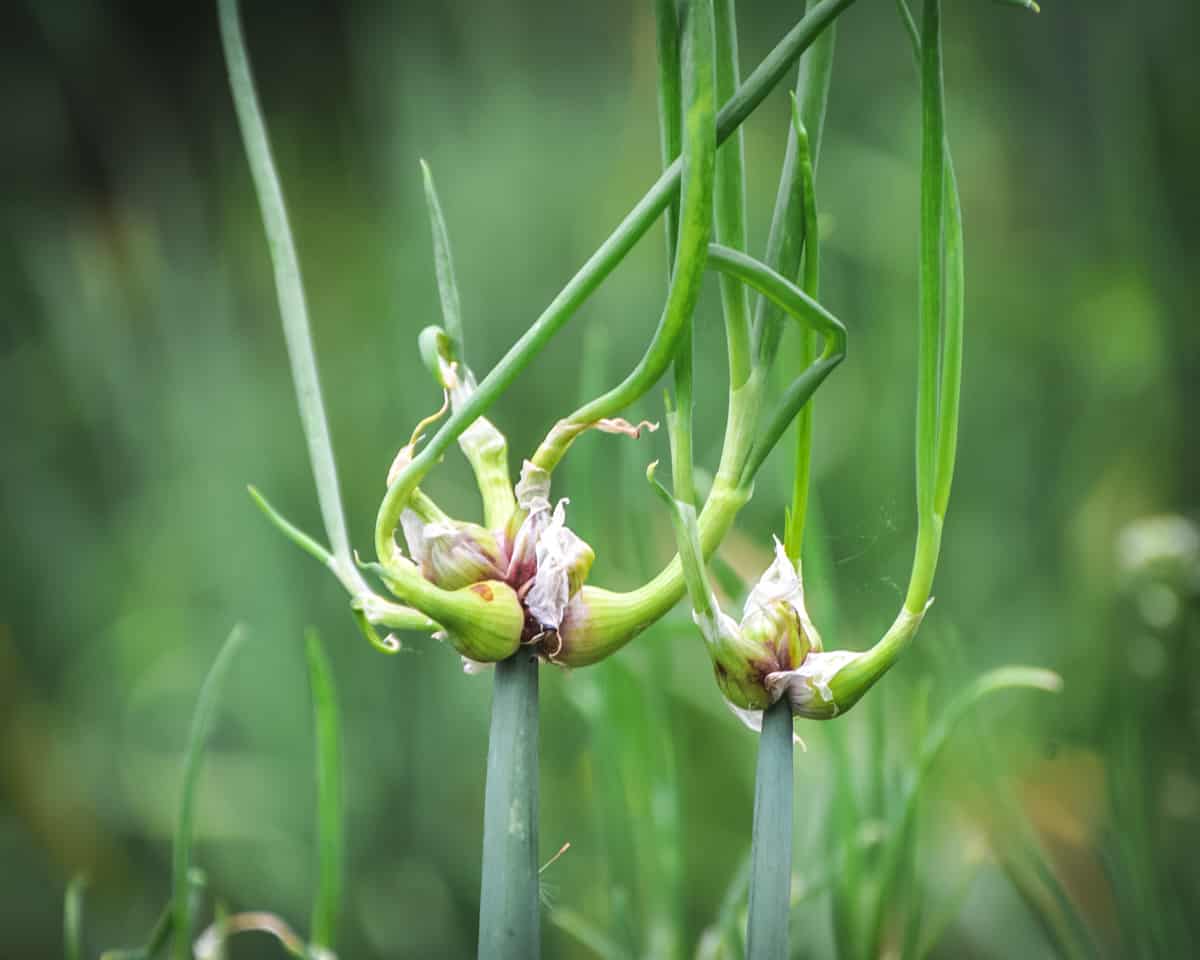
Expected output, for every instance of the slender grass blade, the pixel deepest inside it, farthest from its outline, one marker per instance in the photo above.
(73, 918)
(203, 721)
(290, 289)
(327, 900)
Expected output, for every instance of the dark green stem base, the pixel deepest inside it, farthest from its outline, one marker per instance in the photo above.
(508, 902)
(771, 850)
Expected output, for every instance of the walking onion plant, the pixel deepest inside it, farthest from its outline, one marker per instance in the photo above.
(512, 591)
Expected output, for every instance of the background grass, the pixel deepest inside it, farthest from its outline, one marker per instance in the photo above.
(143, 383)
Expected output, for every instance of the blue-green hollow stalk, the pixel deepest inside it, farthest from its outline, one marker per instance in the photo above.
(509, 921)
(771, 847)
(748, 96)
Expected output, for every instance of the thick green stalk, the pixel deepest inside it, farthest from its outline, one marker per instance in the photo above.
(748, 96)
(771, 846)
(508, 904)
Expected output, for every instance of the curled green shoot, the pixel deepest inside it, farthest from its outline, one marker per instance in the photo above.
(695, 225)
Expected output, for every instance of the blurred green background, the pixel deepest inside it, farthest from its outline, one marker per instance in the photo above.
(143, 384)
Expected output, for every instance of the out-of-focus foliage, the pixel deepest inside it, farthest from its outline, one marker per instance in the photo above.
(143, 383)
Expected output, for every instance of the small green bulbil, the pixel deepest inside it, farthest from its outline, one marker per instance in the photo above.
(458, 553)
(775, 629)
(483, 622)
